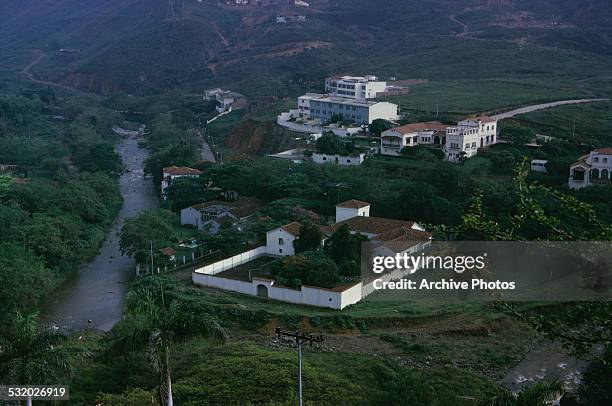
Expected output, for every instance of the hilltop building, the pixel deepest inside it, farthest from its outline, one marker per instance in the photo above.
(355, 87)
(395, 139)
(591, 169)
(464, 139)
(358, 111)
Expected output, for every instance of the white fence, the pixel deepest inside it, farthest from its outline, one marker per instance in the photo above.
(232, 262)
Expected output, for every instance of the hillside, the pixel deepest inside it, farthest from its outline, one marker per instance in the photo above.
(139, 46)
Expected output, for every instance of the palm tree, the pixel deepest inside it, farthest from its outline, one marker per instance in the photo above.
(32, 356)
(538, 394)
(153, 323)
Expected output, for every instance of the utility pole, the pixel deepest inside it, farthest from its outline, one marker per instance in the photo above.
(151, 257)
(300, 338)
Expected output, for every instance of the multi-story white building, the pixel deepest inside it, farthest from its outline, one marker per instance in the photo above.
(464, 139)
(395, 139)
(355, 87)
(325, 108)
(592, 169)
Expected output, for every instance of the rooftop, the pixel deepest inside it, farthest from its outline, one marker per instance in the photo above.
(607, 151)
(417, 127)
(293, 228)
(382, 229)
(243, 207)
(181, 170)
(353, 204)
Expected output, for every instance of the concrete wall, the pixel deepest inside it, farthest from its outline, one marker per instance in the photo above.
(384, 110)
(283, 121)
(338, 159)
(232, 262)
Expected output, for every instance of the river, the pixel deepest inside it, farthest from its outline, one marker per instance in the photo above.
(93, 297)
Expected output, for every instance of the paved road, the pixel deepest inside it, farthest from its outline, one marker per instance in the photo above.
(529, 109)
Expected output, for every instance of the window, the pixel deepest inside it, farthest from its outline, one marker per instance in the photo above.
(280, 250)
(281, 241)
(348, 161)
(605, 160)
(473, 145)
(595, 159)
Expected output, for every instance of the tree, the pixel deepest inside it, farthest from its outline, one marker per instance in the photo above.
(596, 386)
(309, 268)
(137, 234)
(309, 239)
(379, 125)
(345, 249)
(330, 144)
(156, 323)
(538, 394)
(32, 356)
(503, 161)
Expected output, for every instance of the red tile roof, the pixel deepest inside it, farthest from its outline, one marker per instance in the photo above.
(241, 208)
(181, 170)
(484, 119)
(353, 204)
(416, 127)
(168, 251)
(293, 228)
(382, 229)
(607, 151)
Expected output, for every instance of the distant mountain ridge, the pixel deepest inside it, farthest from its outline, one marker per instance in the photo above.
(143, 45)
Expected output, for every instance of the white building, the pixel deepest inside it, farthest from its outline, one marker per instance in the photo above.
(225, 98)
(212, 214)
(591, 169)
(352, 208)
(279, 242)
(355, 87)
(464, 139)
(171, 173)
(347, 160)
(395, 139)
(538, 165)
(325, 107)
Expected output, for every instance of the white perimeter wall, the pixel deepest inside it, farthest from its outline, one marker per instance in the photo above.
(307, 295)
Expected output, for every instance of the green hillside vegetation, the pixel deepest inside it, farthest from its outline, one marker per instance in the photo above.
(56, 204)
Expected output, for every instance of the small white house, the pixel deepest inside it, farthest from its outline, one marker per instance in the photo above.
(348, 160)
(279, 242)
(592, 169)
(352, 208)
(538, 165)
(392, 141)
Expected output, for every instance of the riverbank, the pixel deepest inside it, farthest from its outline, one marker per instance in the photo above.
(93, 297)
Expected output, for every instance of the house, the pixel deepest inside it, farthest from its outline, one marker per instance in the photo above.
(464, 139)
(591, 169)
(279, 242)
(225, 99)
(168, 253)
(211, 215)
(355, 87)
(174, 172)
(242, 273)
(392, 141)
(357, 111)
(352, 208)
(538, 165)
(346, 160)
(355, 215)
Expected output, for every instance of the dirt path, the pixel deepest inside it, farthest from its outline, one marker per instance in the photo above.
(27, 71)
(466, 28)
(536, 107)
